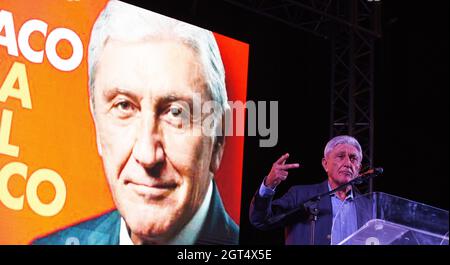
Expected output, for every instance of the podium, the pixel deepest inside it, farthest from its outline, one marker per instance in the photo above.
(391, 220)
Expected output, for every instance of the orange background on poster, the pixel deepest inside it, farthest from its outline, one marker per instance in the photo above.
(58, 132)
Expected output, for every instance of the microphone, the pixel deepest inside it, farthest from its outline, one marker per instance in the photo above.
(373, 171)
(365, 176)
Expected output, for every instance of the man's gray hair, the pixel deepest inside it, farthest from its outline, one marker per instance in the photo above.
(122, 21)
(342, 139)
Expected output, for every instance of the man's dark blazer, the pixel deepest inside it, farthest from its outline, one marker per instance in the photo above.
(298, 227)
(218, 229)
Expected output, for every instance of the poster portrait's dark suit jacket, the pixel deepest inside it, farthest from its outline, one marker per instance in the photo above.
(218, 229)
(298, 228)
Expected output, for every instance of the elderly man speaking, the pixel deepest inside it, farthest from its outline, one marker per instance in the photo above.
(339, 215)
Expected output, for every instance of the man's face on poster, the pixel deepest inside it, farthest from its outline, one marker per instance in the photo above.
(158, 168)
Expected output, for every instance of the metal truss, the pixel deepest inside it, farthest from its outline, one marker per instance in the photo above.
(352, 89)
(352, 26)
(316, 16)
(352, 83)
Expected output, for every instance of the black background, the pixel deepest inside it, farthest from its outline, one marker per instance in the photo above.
(293, 67)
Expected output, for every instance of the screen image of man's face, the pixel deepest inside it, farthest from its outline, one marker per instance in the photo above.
(157, 168)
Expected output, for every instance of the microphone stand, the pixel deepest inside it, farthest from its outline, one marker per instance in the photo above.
(310, 205)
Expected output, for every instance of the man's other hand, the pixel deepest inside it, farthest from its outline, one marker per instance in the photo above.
(279, 172)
